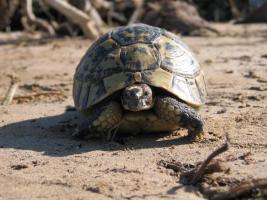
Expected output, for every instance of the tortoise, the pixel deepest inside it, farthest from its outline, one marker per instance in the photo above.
(138, 78)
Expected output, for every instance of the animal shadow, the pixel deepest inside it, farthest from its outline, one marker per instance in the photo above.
(52, 136)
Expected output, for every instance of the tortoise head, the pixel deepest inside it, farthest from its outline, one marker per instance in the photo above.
(137, 97)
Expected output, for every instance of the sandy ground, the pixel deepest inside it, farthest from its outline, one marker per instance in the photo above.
(40, 160)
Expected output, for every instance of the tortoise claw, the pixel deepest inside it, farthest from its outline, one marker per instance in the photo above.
(195, 136)
(112, 132)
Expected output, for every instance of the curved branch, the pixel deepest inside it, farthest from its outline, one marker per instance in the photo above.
(39, 22)
(77, 16)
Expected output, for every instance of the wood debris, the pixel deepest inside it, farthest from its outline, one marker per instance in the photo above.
(38, 21)
(243, 189)
(197, 173)
(11, 90)
(76, 16)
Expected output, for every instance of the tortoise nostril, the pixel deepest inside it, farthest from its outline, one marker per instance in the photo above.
(132, 94)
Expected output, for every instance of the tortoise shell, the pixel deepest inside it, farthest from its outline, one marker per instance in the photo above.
(138, 54)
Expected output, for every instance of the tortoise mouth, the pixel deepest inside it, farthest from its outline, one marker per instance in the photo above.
(137, 97)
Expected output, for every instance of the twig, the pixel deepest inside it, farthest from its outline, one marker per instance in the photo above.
(56, 93)
(200, 171)
(88, 8)
(175, 166)
(104, 5)
(117, 16)
(98, 4)
(33, 19)
(236, 13)
(242, 189)
(76, 16)
(137, 13)
(45, 8)
(135, 16)
(91, 11)
(11, 90)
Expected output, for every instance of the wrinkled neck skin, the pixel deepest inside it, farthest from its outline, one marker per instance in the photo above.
(137, 97)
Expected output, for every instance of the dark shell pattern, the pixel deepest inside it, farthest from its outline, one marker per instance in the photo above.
(158, 57)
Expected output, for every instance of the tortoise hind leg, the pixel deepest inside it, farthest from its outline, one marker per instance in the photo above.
(170, 109)
(103, 121)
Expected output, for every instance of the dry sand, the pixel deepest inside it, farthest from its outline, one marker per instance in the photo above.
(40, 160)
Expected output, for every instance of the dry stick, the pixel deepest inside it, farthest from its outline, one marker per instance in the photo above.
(93, 13)
(11, 91)
(76, 16)
(236, 13)
(105, 5)
(86, 6)
(56, 93)
(138, 11)
(241, 189)
(117, 16)
(200, 171)
(135, 16)
(98, 4)
(13, 5)
(33, 19)
(109, 14)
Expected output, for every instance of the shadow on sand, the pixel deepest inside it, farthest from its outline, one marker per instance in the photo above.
(52, 136)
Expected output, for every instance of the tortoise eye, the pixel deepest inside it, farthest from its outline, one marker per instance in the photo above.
(129, 94)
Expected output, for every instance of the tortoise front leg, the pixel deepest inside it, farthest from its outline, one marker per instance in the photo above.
(185, 116)
(102, 121)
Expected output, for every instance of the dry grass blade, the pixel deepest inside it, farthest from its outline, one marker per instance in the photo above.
(11, 90)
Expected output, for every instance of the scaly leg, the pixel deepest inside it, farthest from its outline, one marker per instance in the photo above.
(185, 116)
(102, 121)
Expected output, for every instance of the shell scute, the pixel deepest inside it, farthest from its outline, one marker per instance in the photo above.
(138, 33)
(87, 69)
(177, 59)
(139, 57)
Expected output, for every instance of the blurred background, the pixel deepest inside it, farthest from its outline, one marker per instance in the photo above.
(41, 43)
(58, 18)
